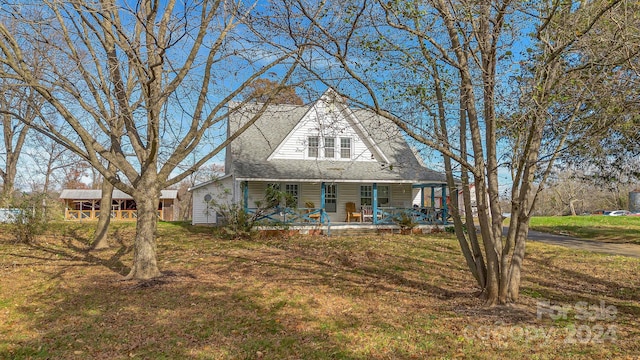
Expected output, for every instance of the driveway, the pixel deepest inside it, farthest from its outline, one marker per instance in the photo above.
(631, 250)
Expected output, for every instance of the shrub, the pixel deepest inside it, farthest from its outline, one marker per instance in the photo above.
(237, 222)
(28, 220)
(405, 221)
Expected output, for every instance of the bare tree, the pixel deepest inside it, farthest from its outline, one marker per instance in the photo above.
(437, 68)
(263, 90)
(153, 79)
(16, 103)
(49, 159)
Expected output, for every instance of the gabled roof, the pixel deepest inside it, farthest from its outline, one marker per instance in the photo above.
(207, 183)
(83, 194)
(248, 155)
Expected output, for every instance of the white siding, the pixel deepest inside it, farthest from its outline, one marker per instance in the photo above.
(310, 192)
(401, 196)
(220, 191)
(417, 193)
(306, 192)
(323, 120)
(347, 192)
(256, 193)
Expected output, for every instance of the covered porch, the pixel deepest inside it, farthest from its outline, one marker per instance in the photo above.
(331, 203)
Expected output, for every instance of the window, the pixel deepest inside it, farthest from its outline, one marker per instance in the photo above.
(365, 195)
(383, 195)
(291, 190)
(345, 148)
(313, 146)
(330, 198)
(329, 147)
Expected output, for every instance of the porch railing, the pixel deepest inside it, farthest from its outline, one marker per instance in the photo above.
(384, 215)
(116, 215)
(291, 216)
(426, 215)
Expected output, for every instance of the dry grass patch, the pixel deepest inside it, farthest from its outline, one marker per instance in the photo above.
(376, 297)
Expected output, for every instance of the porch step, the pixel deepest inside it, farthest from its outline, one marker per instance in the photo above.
(353, 231)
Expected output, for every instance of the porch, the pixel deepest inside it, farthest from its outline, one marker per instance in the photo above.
(403, 204)
(346, 229)
(403, 217)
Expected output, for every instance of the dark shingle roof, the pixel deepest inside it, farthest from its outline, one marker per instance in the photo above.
(251, 150)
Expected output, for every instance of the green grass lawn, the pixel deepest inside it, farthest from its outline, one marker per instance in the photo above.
(616, 229)
(302, 297)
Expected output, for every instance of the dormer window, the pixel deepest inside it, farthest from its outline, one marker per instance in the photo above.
(314, 143)
(345, 148)
(329, 148)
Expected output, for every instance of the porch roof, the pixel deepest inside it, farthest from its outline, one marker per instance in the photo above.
(89, 194)
(339, 171)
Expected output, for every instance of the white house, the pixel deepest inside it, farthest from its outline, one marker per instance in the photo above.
(327, 157)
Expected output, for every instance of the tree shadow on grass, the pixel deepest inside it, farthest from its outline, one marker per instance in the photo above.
(269, 300)
(358, 276)
(565, 285)
(75, 249)
(179, 318)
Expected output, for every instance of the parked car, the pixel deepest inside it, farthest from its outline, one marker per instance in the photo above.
(619, 213)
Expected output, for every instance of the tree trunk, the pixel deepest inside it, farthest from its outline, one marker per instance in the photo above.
(7, 191)
(144, 255)
(475, 264)
(515, 270)
(572, 207)
(101, 239)
(480, 264)
(45, 187)
(12, 156)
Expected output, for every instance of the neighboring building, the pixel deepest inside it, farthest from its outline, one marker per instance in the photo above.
(323, 156)
(85, 205)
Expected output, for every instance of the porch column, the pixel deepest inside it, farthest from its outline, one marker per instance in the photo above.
(433, 197)
(322, 201)
(374, 202)
(245, 196)
(421, 196)
(444, 204)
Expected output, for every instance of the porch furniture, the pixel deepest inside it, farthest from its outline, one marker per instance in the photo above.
(367, 214)
(315, 216)
(352, 213)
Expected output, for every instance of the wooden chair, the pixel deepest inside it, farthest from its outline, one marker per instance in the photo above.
(367, 213)
(311, 207)
(352, 213)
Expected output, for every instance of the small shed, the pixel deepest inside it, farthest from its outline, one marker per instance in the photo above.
(82, 204)
(209, 197)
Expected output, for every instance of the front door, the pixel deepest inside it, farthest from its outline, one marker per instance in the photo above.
(330, 198)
